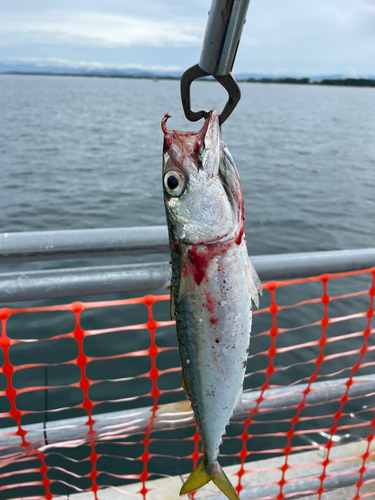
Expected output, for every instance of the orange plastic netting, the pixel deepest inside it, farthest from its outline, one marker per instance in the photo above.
(82, 385)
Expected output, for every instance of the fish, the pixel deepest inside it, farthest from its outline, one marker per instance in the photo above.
(212, 284)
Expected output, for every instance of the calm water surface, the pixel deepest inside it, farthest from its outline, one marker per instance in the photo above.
(86, 153)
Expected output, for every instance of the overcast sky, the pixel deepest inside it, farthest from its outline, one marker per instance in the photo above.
(303, 37)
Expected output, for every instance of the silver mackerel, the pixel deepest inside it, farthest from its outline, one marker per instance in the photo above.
(213, 283)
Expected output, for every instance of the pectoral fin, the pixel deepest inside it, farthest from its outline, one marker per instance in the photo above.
(186, 285)
(253, 282)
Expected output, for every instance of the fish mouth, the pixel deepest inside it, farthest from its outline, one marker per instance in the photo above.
(194, 150)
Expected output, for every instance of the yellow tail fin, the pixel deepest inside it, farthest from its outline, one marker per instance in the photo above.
(199, 477)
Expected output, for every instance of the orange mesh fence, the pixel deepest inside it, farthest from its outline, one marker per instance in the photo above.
(91, 397)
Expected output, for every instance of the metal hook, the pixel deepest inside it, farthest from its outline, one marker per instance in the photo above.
(227, 81)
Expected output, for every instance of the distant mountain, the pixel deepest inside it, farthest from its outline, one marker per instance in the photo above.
(29, 68)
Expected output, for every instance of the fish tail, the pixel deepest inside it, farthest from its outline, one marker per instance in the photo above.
(199, 477)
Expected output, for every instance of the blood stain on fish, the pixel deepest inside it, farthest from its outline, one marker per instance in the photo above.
(239, 237)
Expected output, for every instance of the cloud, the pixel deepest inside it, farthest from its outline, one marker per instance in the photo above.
(300, 36)
(275, 23)
(309, 36)
(91, 29)
(64, 63)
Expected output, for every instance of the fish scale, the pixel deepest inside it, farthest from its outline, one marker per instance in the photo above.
(213, 283)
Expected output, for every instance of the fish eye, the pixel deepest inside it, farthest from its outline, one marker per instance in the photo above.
(174, 183)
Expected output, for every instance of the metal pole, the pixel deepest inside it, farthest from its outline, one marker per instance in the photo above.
(223, 33)
(86, 243)
(36, 285)
(175, 415)
(306, 264)
(96, 243)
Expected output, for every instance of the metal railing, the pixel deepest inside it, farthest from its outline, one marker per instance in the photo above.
(44, 437)
(97, 243)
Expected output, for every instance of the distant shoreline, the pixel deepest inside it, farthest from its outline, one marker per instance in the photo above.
(346, 82)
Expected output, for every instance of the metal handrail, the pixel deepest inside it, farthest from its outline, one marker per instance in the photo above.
(98, 280)
(97, 243)
(85, 243)
(83, 281)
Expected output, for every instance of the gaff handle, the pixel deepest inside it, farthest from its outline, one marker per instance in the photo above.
(223, 33)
